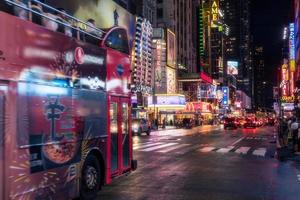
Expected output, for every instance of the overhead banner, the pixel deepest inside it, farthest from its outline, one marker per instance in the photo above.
(171, 49)
(292, 47)
(225, 100)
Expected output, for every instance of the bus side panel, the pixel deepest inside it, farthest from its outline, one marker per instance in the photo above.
(53, 63)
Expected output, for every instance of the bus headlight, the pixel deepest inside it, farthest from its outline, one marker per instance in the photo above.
(135, 126)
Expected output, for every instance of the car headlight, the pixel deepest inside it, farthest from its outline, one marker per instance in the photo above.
(135, 126)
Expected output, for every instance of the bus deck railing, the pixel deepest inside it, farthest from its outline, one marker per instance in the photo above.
(73, 23)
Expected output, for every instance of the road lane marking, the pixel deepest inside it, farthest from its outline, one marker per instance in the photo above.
(242, 150)
(207, 149)
(225, 150)
(158, 147)
(260, 152)
(147, 145)
(173, 148)
(237, 141)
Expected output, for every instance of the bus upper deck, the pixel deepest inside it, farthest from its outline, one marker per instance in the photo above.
(64, 104)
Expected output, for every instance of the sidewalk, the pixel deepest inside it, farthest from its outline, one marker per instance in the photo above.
(284, 154)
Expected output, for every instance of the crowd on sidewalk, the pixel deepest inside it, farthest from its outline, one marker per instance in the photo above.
(289, 130)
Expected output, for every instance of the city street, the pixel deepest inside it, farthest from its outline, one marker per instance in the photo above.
(207, 163)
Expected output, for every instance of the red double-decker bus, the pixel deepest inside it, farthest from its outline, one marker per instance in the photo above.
(64, 105)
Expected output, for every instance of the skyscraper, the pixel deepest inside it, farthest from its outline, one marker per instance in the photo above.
(178, 17)
(260, 84)
(237, 17)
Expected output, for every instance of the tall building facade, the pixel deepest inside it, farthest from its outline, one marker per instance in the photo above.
(259, 78)
(147, 10)
(142, 57)
(238, 42)
(178, 17)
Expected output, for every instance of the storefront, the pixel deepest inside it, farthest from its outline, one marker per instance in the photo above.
(164, 107)
(201, 112)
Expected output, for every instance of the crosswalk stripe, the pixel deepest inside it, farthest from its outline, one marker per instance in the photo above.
(186, 150)
(207, 149)
(173, 148)
(225, 150)
(139, 144)
(159, 147)
(260, 152)
(242, 150)
(147, 145)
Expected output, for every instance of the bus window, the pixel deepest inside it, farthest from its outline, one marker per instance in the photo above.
(117, 40)
(52, 112)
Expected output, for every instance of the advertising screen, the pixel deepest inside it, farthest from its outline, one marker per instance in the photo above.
(208, 91)
(171, 49)
(106, 13)
(232, 67)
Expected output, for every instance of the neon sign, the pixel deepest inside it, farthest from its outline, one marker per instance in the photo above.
(284, 79)
(215, 13)
(292, 47)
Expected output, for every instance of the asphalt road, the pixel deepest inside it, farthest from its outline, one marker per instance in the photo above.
(207, 163)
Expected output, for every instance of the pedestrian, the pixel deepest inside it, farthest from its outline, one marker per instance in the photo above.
(164, 123)
(283, 133)
(294, 128)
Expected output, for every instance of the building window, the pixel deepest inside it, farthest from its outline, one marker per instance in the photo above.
(160, 13)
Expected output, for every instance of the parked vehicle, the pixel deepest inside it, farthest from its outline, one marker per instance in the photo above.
(140, 126)
(230, 122)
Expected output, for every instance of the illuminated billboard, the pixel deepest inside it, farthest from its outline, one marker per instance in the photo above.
(106, 13)
(171, 49)
(232, 67)
(207, 91)
(168, 100)
(171, 80)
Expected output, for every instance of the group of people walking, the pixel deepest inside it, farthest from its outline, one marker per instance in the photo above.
(290, 128)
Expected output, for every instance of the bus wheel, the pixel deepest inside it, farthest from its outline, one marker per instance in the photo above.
(90, 178)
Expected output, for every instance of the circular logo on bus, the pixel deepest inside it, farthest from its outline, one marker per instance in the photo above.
(120, 70)
(79, 55)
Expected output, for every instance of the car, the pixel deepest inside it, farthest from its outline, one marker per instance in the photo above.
(250, 123)
(230, 122)
(140, 126)
(271, 121)
(240, 122)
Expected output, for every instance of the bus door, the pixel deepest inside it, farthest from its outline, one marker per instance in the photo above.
(120, 138)
(3, 90)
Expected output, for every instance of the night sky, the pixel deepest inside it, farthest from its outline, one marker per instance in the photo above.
(268, 17)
